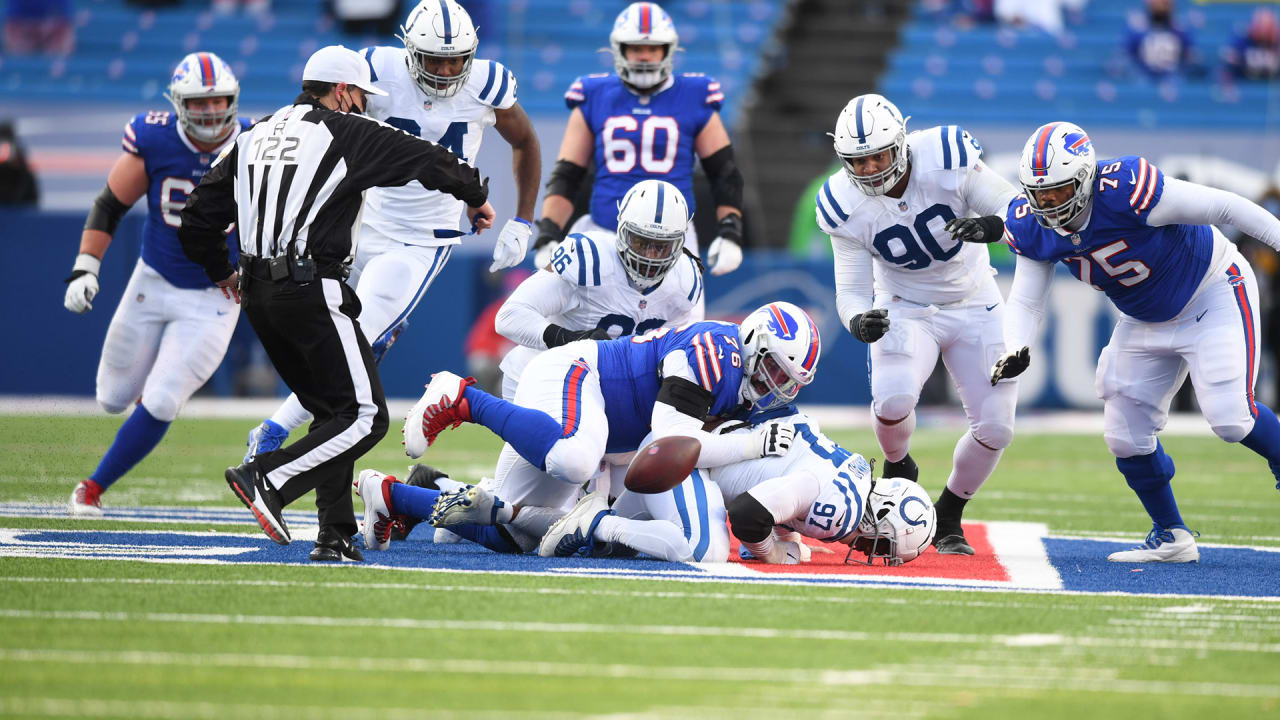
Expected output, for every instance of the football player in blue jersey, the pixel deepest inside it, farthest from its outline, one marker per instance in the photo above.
(1187, 297)
(172, 326)
(644, 122)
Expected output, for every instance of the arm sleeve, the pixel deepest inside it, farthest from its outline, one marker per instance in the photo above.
(209, 210)
(985, 192)
(855, 288)
(380, 155)
(522, 319)
(717, 450)
(1187, 203)
(1031, 283)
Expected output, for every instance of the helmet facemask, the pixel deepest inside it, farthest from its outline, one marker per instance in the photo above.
(643, 75)
(882, 182)
(646, 253)
(769, 385)
(1062, 214)
(419, 62)
(206, 126)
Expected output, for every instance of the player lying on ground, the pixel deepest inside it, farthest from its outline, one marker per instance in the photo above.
(585, 399)
(172, 326)
(436, 90)
(1188, 298)
(909, 286)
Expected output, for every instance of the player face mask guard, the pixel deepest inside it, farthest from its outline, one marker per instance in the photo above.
(648, 255)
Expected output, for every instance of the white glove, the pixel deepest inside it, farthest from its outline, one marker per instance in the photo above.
(82, 286)
(724, 256)
(786, 552)
(513, 241)
(773, 438)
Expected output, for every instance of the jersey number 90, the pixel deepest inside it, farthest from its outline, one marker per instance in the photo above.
(913, 253)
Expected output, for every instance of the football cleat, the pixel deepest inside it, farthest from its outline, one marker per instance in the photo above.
(441, 407)
(86, 500)
(374, 490)
(332, 545)
(263, 500)
(953, 544)
(1175, 544)
(472, 504)
(423, 476)
(263, 439)
(574, 534)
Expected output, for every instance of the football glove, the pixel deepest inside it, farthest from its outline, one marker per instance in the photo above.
(1011, 365)
(82, 285)
(986, 229)
(871, 325)
(774, 438)
(725, 254)
(549, 233)
(555, 335)
(513, 241)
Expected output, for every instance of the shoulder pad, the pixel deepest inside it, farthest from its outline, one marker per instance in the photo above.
(577, 259)
(708, 354)
(947, 147)
(583, 86)
(688, 278)
(140, 131)
(1140, 184)
(1020, 227)
(493, 84)
(835, 202)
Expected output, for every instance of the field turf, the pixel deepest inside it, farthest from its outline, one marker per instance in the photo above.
(119, 638)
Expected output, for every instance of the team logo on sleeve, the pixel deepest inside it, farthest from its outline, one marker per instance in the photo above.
(1077, 143)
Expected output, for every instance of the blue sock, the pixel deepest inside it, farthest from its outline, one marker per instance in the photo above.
(1149, 476)
(1264, 438)
(414, 501)
(487, 535)
(531, 432)
(138, 436)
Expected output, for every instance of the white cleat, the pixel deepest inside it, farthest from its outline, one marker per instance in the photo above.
(445, 537)
(374, 489)
(440, 407)
(86, 500)
(471, 504)
(1176, 544)
(574, 534)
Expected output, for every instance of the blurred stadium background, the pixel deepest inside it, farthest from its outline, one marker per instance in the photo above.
(999, 68)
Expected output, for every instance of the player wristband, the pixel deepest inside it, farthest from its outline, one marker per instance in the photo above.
(85, 264)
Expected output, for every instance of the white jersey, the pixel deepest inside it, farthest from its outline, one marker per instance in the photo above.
(411, 213)
(903, 238)
(818, 489)
(588, 287)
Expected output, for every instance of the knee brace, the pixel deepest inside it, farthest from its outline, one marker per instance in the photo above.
(994, 435)
(895, 407)
(1147, 472)
(750, 520)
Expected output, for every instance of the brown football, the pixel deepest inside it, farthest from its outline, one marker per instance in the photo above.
(662, 464)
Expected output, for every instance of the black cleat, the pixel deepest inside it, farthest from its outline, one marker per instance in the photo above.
(334, 546)
(251, 486)
(904, 468)
(423, 476)
(953, 543)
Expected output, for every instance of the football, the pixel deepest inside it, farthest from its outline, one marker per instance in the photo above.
(662, 464)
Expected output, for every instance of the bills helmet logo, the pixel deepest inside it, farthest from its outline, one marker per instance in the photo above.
(1077, 143)
(180, 72)
(781, 324)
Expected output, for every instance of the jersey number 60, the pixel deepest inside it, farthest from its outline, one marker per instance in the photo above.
(620, 152)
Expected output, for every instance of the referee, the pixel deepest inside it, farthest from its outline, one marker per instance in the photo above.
(294, 184)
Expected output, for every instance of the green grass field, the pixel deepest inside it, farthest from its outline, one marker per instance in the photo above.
(82, 638)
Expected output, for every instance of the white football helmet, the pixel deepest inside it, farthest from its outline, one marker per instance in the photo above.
(652, 219)
(780, 350)
(871, 124)
(643, 23)
(438, 29)
(1055, 155)
(898, 524)
(204, 75)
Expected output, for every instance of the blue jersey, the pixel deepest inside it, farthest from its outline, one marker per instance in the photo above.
(174, 167)
(631, 372)
(1150, 273)
(642, 137)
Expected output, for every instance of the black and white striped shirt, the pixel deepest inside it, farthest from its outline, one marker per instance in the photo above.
(296, 179)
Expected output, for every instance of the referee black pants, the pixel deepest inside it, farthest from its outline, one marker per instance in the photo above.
(311, 334)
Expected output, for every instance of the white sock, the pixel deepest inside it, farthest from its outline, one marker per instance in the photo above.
(657, 538)
(291, 415)
(536, 521)
(973, 463)
(895, 440)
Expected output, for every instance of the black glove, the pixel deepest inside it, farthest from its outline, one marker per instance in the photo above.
(548, 232)
(986, 229)
(555, 336)
(871, 325)
(1011, 365)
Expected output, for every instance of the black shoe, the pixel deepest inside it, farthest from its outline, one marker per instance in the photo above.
(904, 468)
(953, 543)
(334, 546)
(251, 486)
(423, 476)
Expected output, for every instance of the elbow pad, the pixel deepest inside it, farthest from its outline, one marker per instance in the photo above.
(106, 212)
(749, 520)
(725, 177)
(685, 396)
(566, 178)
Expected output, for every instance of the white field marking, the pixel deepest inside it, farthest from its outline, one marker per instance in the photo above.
(1021, 552)
(840, 599)
(758, 633)
(1187, 609)
(171, 710)
(1007, 677)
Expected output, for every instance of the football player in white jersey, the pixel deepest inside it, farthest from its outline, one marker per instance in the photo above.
(907, 284)
(436, 90)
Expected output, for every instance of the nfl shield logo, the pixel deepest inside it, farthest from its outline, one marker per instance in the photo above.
(644, 304)
(1075, 238)
(426, 104)
(902, 205)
